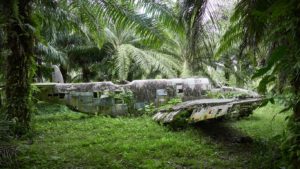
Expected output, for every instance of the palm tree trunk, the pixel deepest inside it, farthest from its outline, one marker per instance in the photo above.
(297, 111)
(296, 85)
(227, 65)
(39, 73)
(64, 73)
(19, 62)
(86, 74)
(239, 80)
(294, 129)
(186, 69)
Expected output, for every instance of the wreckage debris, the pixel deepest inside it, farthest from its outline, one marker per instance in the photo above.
(205, 109)
(119, 100)
(200, 100)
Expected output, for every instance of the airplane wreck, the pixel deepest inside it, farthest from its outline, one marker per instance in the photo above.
(200, 101)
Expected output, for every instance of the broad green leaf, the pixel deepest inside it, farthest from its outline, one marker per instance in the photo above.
(261, 72)
(262, 87)
(276, 55)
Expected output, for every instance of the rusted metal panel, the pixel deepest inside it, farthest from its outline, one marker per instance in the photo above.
(205, 109)
(201, 102)
(209, 112)
(159, 116)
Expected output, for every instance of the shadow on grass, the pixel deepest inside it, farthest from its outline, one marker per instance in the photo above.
(222, 133)
(234, 142)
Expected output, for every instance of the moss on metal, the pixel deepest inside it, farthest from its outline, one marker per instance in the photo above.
(200, 101)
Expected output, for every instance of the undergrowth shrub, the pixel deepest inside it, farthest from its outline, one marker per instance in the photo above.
(291, 143)
(8, 151)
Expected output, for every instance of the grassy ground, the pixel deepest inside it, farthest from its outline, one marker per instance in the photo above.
(65, 139)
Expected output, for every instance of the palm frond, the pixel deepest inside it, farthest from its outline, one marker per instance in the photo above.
(120, 14)
(123, 60)
(51, 16)
(146, 60)
(93, 22)
(192, 13)
(162, 13)
(51, 53)
(233, 36)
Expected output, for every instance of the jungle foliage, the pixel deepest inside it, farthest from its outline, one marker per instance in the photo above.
(269, 31)
(244, 43)
(71, 139)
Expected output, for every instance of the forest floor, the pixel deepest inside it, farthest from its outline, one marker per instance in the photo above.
(66, 139)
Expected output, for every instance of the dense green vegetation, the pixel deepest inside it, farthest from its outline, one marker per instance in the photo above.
(66, 139)
(243, 43)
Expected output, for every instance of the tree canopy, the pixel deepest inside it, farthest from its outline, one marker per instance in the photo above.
(243, 43)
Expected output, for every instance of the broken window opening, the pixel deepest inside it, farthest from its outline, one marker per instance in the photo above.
(61, 95)
(95, 94)
(179, 88)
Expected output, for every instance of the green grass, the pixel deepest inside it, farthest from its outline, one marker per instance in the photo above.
(66, 139)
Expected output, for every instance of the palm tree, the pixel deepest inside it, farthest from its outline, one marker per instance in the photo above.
(192, 41)
(85, 57)
(2, 58)
(20, 31)
(128, 51)
(90, 31)
(20, 41)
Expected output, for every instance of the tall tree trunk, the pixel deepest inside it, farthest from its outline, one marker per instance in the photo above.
(86, 73)
(19, 63)
(294, 125)
(239, 80)
(186, 69)
(297, 111)
(39, 73)
(296, 85)
(64, 73)
(227, 65)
